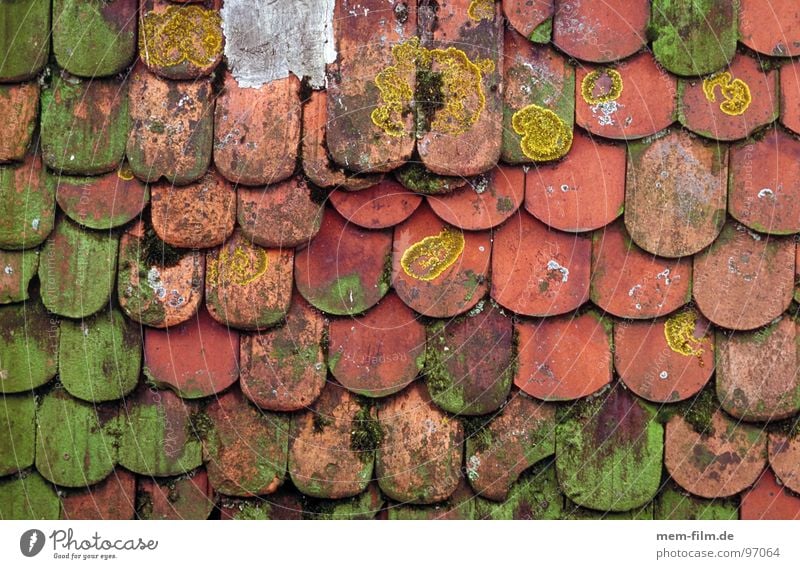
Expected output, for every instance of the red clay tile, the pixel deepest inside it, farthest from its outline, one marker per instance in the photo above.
(324, 461)
(526, 15)
(438, 270)
(765, 183)
(584, 191)
(17, 268)
(675, 193)
(19, 104)
(485, 202)
(730, 104)
(184, 498)
(379, 353)
(564, 358)
(771, 28)
(631, 99)
(768, 500)
(419, 460)
(757, 372)
(25, 43)
(171, 128)
(112, 499)
(28, 346)
(383, 205)
(102, 202)
(465, 134)
(666, 360)
(629, 283)
(283, 369)
(744, 280)
(196, 359)
(199, 215)
(600, 32)
(246, 449)
(257, 131)
(537, 271)
(784, 457)
(790, 96)
(717, 465)
(27, 204)
(283, 215)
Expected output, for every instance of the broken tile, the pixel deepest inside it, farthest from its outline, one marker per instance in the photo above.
(187, 497)
(17, 268)
(112, 499)
(19, 104)
(25, 45)
(784, 458)
(28, 346)
(17, 432)
(28, 497)
(674, 504)
(535, 496)
(27, 203)
(529, 17)
(771, 28)
(768, 500)
(383, 205)
(790, 96)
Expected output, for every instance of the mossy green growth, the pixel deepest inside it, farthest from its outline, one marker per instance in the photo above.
(17, 433)
(477, 433)
(28, 346)
(344, 296)
(28, 497)
(575, 512)
(673, 504)
(415, 177)
(363, 506)
(366, 432)
(27, 204)
(156, 252)
(535, 496)
(25, 41)
(18, 268)
(542, 32)
(698, 411)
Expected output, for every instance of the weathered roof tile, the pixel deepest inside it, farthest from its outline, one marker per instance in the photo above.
(784, 452)
(17, 268)
(768, 500)
(28, 346)
(27, 203)
(112, 499)
(17, 432)
(527, 16)
(26, 49)
(383, 205)
(771, 28)
(182, 498)
(28, 497)
(19, 103)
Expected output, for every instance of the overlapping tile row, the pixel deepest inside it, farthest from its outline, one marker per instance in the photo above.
(517, 260)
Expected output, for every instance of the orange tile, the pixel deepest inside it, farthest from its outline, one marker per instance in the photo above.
(537, 271)
(629, 283)
(771, 28)
(383, 205)
(112, 499)
(584, 191)
(675, 194)
(744, 280)
(379, 353)
(665, 360)
(764, 183)
(283, 215)
(730, 104)
(487, 201)
(248, 286)
(715, 465)
(626, 100)
(257, 131)
(790, 96)
(27, 203)
(183, 498)
(283, 369)
(439, 270)
(526, 15)
(19, 104)
(564, 358)
(768, 500)
(784, 457)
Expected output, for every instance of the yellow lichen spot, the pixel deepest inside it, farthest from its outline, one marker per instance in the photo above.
(735, 92)
(679, 332)
(395, 85)
(544, 135)
(124, 172)
(427, 259)
(611, 91)
(481, 10)
(180, 34)
(237, 267)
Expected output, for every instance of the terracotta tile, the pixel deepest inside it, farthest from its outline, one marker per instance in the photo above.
(17, 432)
(767, 500)
(27, 49)
(150, 288)
(485, 202)
(180, 42)
(95, 38)
(77, 269)
(439, 270)
(790, 96)
(27, 204)
(199, 215)
(467, 50)
(257, 131)
(665, 360)
(195, 359)
(526, 16)
(537, 271)
(771, 28)
(28, 346)
(631, 99)
(19, 103)
(365, 506)
(784, 458)
(675, 504)
(757, 372)
(600, 32)
(283, 369)
(521, 434)
(764, 177)
(383, 205)
(585, 190)
(246, 449)
(183, 498)
(675, 193)
(344, 269)
(539, 85)
(561, 359)
(630, 283)
(744, 280)
(18, 268)
(171, 128)
(717, 465)
(460, 505)
(379, 353)
(283, 505)
(420, 459)
(283, 215)
(414, 176)
(112, 499)
(609, 452)
(325, 459)
(535, 496)
(694, 39)
(371, 86)
(28, 497)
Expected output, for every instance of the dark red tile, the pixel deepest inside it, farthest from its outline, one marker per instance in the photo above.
(26, 45)
(383, 205)
(183, 498)
(112, 499)
(27, 204)
(768, 500)
(17, 268)
(771, 28)
(784, 458)
(19, 103)
(526, 16)
(790, 96)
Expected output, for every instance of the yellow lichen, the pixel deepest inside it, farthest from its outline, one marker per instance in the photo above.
(544, 135)
(180, 34)
(679, 333)
(735, 92)
(237, 267)
(394, 83)
(427, 259)
(481, 10)
(124, 172)
(589, 84)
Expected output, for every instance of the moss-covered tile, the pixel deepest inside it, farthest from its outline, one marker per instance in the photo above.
(364, 506)
(28, 346)
(25, 41)
(17, 432)
(673, 504)
(187, 497)
(19, 105)
(28, 497)
(283, 505)
(461, 505)
(112, 499)
(535, 496)
(17, 268)
(27, 204)
(575, 512)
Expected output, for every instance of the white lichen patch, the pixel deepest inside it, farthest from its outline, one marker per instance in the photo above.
(553, 265)
(766, 193)
(8, 269)
(154, 282)
(473, 464)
